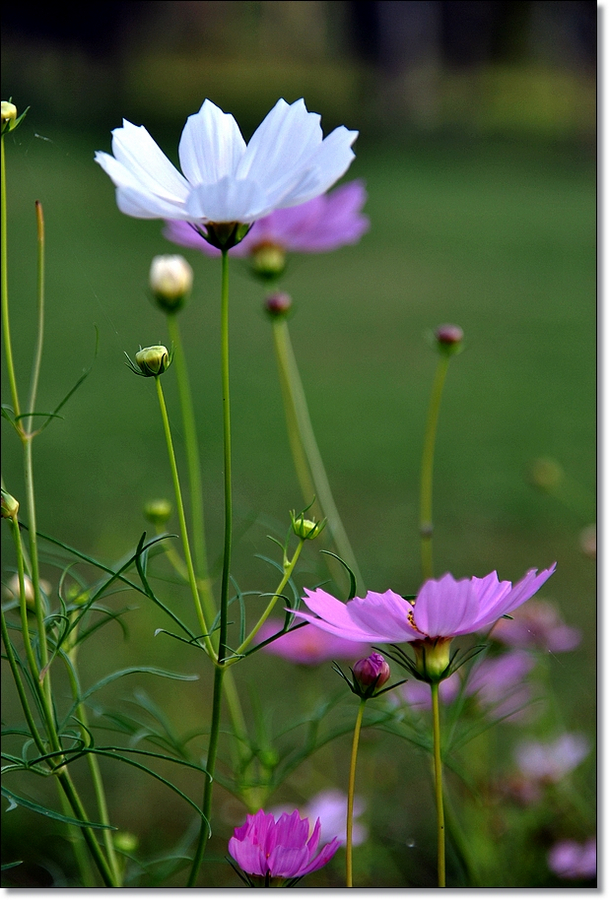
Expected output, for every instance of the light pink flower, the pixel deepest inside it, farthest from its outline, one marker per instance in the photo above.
(498, 684)
(418, 693)
(537, 625)
(550, 762)
(322, 224)
(568, 859)
(444, 608)
(308, 646)
(330, 807)
(279, 849)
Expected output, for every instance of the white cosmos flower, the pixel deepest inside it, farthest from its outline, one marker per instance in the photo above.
(287, 162)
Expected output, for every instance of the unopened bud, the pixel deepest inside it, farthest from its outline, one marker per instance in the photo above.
(158, 511)
(545, 473)
(268, 261)
(9, 115)
(153, 361)
(371, 673)
(432, 659)
(449, 339)
(307, 529)
(125, 842)
(278, 304)
(10, 506)
(170, 281)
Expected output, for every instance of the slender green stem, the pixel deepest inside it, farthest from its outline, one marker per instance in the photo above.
(287, 574)
(70, 791)
(305, 451)
(194, 468)
(351, 793)
(192, 578)
(228, 489)
(426, 521)
(8, 347)
(40, 306)
(23, 698)
(437, 757)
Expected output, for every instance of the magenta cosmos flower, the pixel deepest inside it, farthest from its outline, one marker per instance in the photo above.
(568, 859)
(279, 849)
(538, 625)
(322, 224)
(308, 646)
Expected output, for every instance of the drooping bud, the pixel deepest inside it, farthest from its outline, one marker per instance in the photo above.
(449, 339)
(170, 281)
(10, 506)
(268, 261)
(278, 304)
(371, 673)
(307, 529)
(152, 361)
(158, 511)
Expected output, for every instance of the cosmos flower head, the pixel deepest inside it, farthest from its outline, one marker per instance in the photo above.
(279, 851)
(549, 762)
(224, 180)
(569, 859)
(330, 807)
(538, 625)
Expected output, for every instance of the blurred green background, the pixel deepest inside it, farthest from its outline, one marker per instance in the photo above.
(477, 146)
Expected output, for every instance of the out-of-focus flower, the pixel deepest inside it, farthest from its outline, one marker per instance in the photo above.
(537, 625)
(587, 541)
(568, 859)
(308, 646)
(226, 181)
(170, 281)
(158, 511)
(418, 694)
(549, 762)
(322, 224)
(276, 851)
(449, 339)
(499, 687)
(330, 807)
(278, 304)
(442, 610)
(11, 589)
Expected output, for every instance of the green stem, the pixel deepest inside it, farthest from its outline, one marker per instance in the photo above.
(194, 468)
(106, 873)
(305, 452)
(437, 756)
(25, 704)
(351, 794)
(40, 306)
(8, 347)
(426, 521)
(287, 574)
(192, 578)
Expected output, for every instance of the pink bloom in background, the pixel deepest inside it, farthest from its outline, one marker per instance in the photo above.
(499, 687)
(444, 608)
(550, 762)
(309, 646)
(284, 848)
(325, 223)
(568, 859)
(418, 693)
(330, 807)
(537, 625)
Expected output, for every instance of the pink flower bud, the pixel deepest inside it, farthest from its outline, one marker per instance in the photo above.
(278, 304)
(372, 671)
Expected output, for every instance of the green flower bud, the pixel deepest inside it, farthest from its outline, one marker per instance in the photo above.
(9, 114)
(151, 361)
(170, 281)
(307, 529)
(268, 261)
(432, 658)
(10, 506)
(125, 842)
(158, 511)
(545, 473)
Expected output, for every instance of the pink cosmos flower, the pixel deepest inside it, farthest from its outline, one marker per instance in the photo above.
(330, 807)
(548, 763)
(443, 609)
(418, 694)
(499, 687)
(568, 859)
(309, 646)
(281, 849)
(537, 625)
(324, 223)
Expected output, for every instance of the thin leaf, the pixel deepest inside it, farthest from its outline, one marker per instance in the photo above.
(16, 800)
(352, 578)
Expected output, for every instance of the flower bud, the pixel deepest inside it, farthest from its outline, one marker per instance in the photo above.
(125, 842)
(371, 673)
(449, 339)
(170, 281)
(432, 659)
(9, 115)
(268, 261)
(278, 304)
(10, 506)
(307, 529)
(158, 511)
(153, 361)
(545, 473)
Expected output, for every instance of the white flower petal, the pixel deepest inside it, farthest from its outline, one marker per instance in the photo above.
(287, 136)
(141, 155)
(211, 145)
(227, 201)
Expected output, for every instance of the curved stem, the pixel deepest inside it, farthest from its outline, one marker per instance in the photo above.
(305, 452)
(351, 794)
(192, 578)
(40, 304)
(194, 468)
(8, 347)
(425, 520)
(437, 757)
